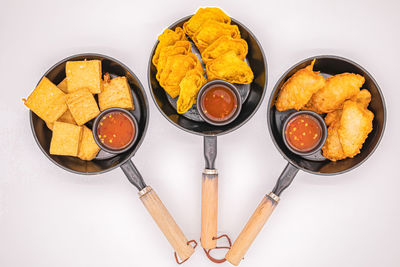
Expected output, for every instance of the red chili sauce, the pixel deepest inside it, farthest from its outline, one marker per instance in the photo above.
(219, 103)
(116, 130)
(303, 133)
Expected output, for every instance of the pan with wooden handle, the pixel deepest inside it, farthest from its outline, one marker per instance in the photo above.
(251, 96)
(106, 161)
(313, 163)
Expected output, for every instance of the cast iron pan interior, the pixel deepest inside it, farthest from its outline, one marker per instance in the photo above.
(43, 135)
(258, 64)
(329, 65)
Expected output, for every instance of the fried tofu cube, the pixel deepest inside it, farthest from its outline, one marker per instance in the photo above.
(63, 86)
(65, 140)
(82, 105)
(66, 117)
(47, 101)
(88, 149)
(116, 94)
(84, 74)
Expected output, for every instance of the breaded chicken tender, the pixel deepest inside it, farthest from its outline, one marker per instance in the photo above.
(299, 88)
(333, 116)
(337, 89)
(332, 148)
(355, 125)
(363, 98)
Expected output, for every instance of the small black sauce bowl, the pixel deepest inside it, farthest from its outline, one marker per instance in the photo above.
(323, 132)
(96, 124)
(229, 86)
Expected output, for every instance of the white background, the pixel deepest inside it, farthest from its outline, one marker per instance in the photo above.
(50, 217)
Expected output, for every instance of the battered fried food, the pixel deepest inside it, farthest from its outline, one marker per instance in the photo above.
(202, 15)
(84, 74)
(116, 93)
(337, 89)
(189, 87)
(231, 68)
(47, 101)
(223, 45)
(175, 70)
(355, 125)
(363, 98)
(167, 38)
(333, 116)
(299, 88)
(211, 30)
(179, 48)
(332, 148)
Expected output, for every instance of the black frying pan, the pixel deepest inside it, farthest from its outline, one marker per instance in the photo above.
(327, 65)
(105, 162)
(251, 96)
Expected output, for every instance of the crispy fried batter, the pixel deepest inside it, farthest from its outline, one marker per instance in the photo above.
(363, 97)
(189, 87)
(175, 70)
(332, 148)
(202, 15)
(167, 38)
(299, 88)
(211, 30)
(355, 125)
(337, 89)
(225, 44)
(231, 68)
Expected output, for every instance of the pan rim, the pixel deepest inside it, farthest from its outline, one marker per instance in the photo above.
(230, 129)
(146, 105)
(270, 123)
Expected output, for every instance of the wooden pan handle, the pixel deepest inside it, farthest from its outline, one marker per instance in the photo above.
(252, 228)
(166, 223)
(209, 208)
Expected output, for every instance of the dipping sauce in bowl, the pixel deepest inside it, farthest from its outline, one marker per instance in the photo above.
(303, 133)
(116, 130)
(219, 103)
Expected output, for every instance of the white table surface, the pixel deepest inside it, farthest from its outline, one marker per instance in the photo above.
(50, 217)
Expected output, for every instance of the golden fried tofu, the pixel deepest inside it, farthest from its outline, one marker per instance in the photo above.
(88, 149)
(231, 68)
(332, 148)
(189, 87)
(82, 105)
(202, 15)
(167, 38)
(211, 30)
(337, 89)
(116, 94)
(63, 86)
(65, 139)
(47, 101)
(299, 88)
(84, 74)
(66, 117)
(225, 44)
(179, 48)
(175, 70)
(355, 125)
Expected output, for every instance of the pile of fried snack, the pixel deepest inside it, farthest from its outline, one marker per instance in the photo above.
(180, 72)
(340, 96)
(68, 106)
